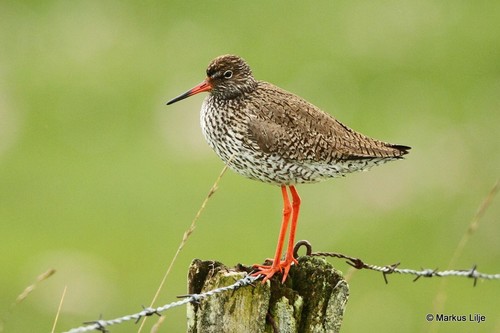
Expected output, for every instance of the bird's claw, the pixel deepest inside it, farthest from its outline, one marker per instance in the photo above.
(268, 271)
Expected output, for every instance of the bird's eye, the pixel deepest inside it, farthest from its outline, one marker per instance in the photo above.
(228, 74)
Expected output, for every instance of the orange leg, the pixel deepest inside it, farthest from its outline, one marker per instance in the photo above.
(278, 265)
(289, 258)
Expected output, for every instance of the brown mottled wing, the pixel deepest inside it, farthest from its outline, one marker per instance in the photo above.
(297, 130)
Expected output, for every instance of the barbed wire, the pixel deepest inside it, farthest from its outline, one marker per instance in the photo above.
(390, 269)
(101, 325)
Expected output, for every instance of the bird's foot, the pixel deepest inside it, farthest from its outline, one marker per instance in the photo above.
(268, 271)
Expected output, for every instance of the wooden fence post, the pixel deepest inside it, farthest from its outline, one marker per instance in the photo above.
(312, 299)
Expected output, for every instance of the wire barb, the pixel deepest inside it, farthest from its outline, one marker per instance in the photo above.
(98, 325)
(147, 312)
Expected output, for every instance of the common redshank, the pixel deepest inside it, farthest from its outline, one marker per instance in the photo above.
(268, 134)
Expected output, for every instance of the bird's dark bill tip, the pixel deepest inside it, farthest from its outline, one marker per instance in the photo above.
(178, 98)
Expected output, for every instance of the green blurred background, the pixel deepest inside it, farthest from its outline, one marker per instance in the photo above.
(99, 179)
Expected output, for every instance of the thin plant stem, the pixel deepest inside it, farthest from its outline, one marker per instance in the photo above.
(185, 238)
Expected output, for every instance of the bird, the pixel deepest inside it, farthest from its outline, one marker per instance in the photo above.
(268, 134)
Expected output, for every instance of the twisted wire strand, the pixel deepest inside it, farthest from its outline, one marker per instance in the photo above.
(100, 325)
(473, 273)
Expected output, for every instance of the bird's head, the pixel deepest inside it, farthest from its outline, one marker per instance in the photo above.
(228, 77)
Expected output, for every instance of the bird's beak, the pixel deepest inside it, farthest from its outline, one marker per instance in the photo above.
(204, 86)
